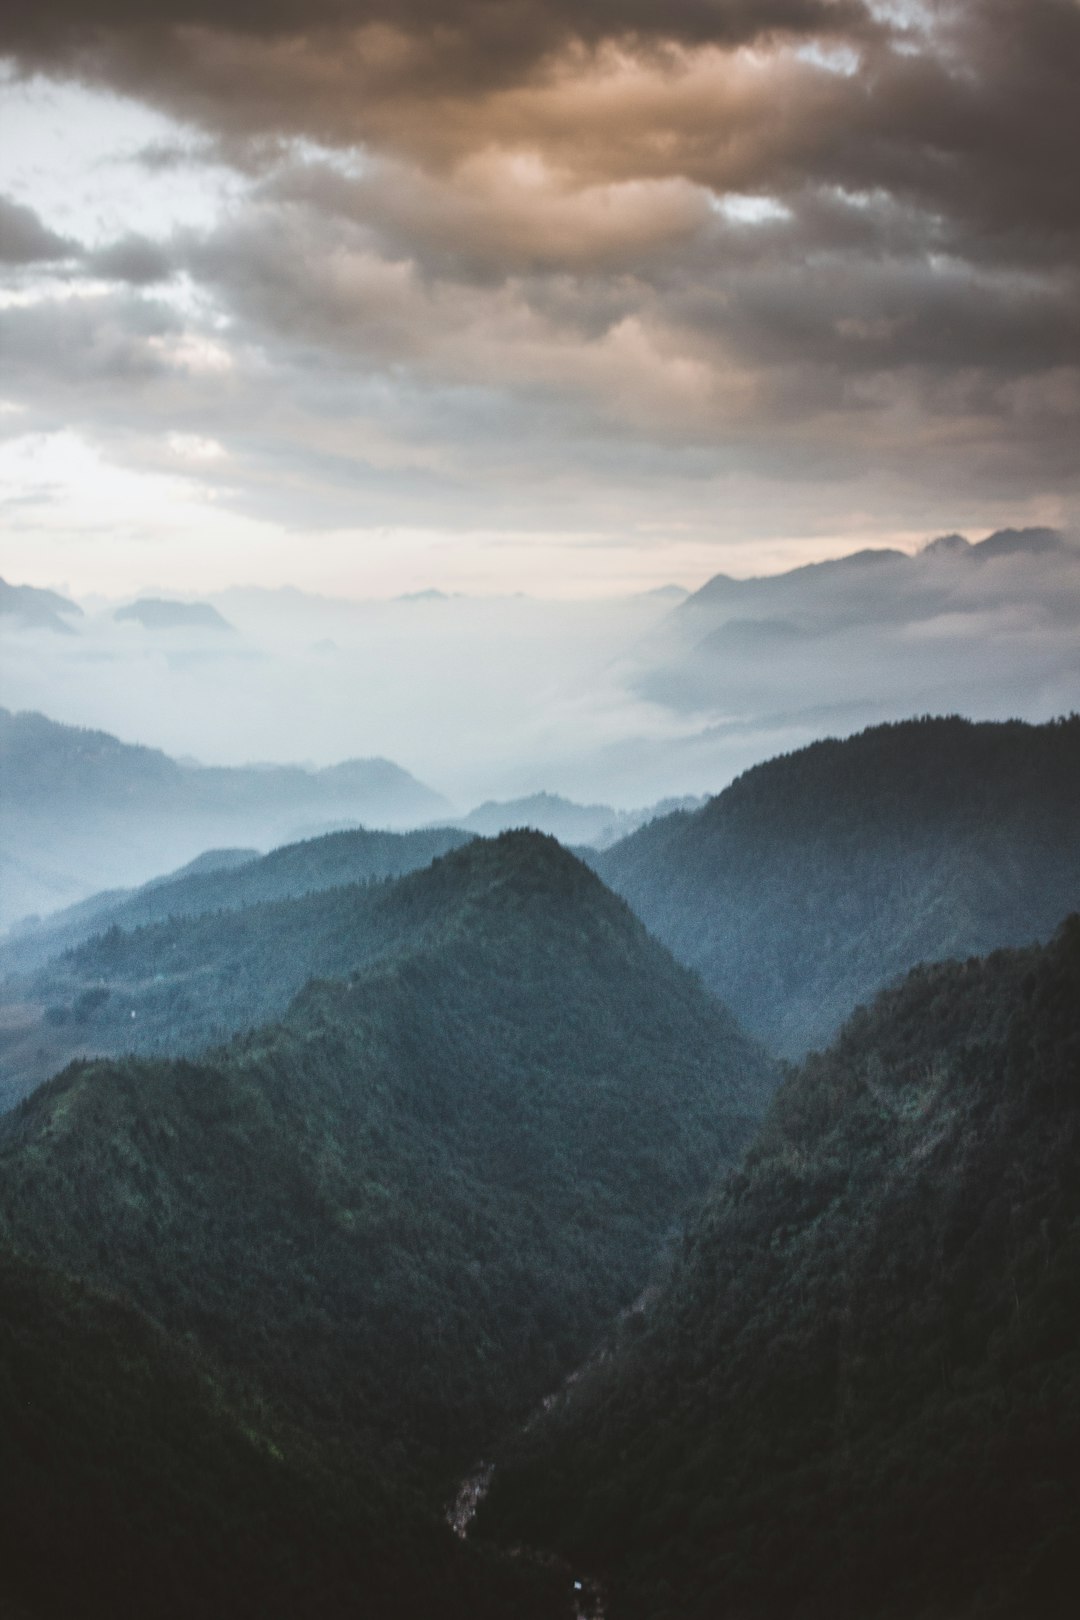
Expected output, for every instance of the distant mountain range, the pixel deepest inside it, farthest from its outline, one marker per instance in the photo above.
(576, 824)
(885, 583)
(988, 629)
(34, 609)
(816, 878)
(858, 1396)
(352, 1246)
(803, 889)
(37, 609)
(81, 811)
(156, 613)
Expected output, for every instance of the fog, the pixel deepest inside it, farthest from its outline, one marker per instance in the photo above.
(478, 698)
(624, 701)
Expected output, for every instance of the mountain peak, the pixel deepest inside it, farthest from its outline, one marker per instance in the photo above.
(156, 613)
(946, 545)
(1019, 543)
(37, 609)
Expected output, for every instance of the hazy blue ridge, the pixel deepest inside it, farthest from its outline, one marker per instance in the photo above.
(820, 876)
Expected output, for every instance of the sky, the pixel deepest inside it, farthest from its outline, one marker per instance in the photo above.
(501, 295)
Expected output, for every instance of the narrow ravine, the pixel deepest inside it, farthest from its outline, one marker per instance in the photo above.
(589, 1594)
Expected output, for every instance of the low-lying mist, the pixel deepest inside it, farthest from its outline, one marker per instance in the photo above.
(624, 701)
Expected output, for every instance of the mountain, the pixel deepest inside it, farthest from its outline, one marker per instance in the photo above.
(230, 950)
(92, 812)
(388, 1224)
(881, 582)
(818, 877)
(577, 824)
(134, 1490)
(34, 609)
(154, 613)
(570, 823)
(766, 664)
(858, 1396)
(858, 570)
(228, 880)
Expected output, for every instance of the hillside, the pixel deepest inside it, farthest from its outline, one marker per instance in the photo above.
(133, 1490)
(227, 880)
(211, 970)
(81, 811)
(398, 1217)
(859, 1395)
(820, 876)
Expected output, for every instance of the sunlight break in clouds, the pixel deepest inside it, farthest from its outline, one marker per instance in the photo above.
(695, 282)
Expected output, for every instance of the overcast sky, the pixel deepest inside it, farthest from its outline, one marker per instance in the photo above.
(523, 294)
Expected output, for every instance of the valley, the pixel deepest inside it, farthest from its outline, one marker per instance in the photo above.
(327, 1173)
(539, 810)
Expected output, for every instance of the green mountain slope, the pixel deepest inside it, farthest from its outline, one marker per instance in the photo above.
(228, 881)
(819, 877)
(132, 1489)
(396, 1219)
(176, 987)
(859, 1396)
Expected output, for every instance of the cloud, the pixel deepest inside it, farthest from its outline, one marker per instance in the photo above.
(986, 629)
(134, 259)
(25, 240)
(578, 257)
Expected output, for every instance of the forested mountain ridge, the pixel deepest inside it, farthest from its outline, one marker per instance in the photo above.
(859, 1395)
(396, 1219)
(134, 1490)
(820, 876)
(307, 867)
(227, 957)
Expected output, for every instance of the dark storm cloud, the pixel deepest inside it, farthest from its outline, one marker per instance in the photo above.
(798, 240)
(503, 36)
(25, 240)
(133, 259)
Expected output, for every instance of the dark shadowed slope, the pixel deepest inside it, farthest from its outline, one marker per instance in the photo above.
(859, 1397)
(820, 876)
(133, 1489)
(399, 1217)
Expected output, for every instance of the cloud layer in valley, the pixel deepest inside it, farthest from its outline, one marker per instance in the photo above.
(624, 702)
